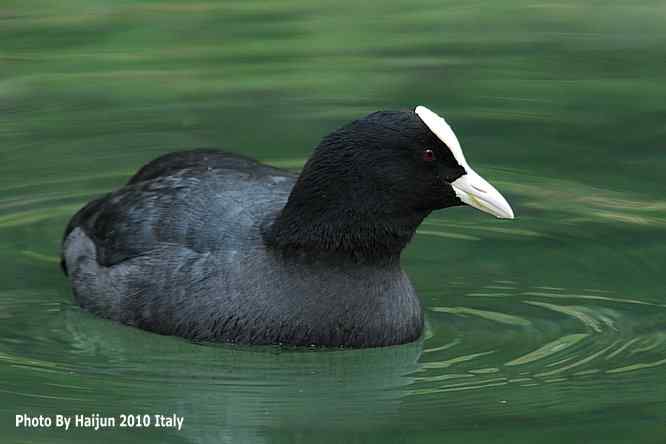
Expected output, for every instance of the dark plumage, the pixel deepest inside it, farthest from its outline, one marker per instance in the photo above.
(214, 246)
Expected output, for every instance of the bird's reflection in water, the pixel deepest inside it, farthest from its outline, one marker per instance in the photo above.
(233, 394)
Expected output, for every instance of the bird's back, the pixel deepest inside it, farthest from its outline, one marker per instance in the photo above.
(153, 252)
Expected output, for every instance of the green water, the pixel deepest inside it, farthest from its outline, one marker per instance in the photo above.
(550, 328)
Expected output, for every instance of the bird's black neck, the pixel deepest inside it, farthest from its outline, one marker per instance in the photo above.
(358, 241)
(328, 225)
(347, 204)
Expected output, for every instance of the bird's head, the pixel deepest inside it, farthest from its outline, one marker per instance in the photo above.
(376, 178)
(397, 161)
(468, 186)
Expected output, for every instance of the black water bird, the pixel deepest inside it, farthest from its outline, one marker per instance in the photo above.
(209, 245)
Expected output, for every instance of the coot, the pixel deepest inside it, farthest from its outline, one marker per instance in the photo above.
(213, 246)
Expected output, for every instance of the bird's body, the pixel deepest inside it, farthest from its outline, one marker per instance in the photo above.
(180, 251)
(213, 246)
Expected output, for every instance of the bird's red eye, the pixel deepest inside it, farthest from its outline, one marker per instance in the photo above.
(428, 155)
